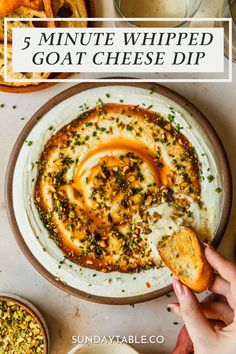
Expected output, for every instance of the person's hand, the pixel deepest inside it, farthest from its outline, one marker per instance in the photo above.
(211, 325)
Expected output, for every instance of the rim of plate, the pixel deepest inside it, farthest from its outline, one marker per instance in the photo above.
(76, 348)
(219, 155)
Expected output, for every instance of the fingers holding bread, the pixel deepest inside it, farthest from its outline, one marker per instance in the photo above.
(212, 311)
(184, 255)
(197, 325)
(224, 267)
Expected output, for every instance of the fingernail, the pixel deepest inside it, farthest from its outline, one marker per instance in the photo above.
(180, 290)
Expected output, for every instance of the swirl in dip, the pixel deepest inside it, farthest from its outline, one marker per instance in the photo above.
(114, 182)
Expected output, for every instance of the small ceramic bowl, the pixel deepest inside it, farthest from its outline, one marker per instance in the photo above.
(34, 312)
(111, 348)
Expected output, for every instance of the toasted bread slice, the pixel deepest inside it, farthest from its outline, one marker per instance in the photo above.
(184, 255)
(67, 9)
(22, 12)
(17, 76)
(8, 6)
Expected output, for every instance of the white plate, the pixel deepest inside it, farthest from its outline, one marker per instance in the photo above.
(113, 285)
(112, 348)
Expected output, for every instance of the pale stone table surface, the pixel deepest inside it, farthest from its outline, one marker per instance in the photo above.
(67, 315)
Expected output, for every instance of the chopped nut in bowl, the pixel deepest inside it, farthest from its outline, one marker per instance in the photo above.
(22, 327)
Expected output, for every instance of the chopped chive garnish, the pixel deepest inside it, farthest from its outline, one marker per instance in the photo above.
(210, 178)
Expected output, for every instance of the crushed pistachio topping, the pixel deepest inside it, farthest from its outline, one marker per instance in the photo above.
(101, 175)
(20, 333)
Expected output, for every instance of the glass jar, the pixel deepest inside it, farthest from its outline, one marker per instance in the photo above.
(228, 10)
(157, 9)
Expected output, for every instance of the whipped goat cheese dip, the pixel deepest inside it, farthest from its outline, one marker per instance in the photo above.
(136, 166)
